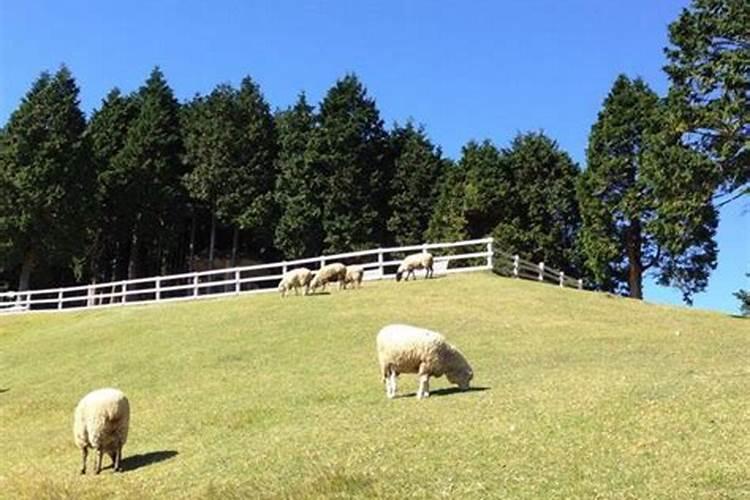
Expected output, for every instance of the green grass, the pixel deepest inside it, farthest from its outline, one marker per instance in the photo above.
(585, 396)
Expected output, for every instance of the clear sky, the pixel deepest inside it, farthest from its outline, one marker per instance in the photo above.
(466, 70)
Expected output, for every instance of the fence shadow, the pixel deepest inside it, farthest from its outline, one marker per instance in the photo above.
(134, 462)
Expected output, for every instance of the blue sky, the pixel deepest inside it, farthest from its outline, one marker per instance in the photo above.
(466, 70)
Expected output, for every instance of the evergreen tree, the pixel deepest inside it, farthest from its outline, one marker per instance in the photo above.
(111, 232)
(709, 67)
(349, 150)
(299, 232)
(46, 179)
(150, 164)
(250, 194)
(448, 222)
(419, 168)
(644, 199)
(744, 297)
(475, 196)
(540, 219)
(213, 131)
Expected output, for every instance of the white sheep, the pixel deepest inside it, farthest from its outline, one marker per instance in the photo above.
(354, 275)
(335, 272)
(101, 422)
(409, 349)
(415, 261)
(296, 279)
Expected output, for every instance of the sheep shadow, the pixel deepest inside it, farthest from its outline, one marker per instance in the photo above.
(4, 390)
(447, 391)
(134, 462)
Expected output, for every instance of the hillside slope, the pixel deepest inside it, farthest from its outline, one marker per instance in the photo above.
(578, 395)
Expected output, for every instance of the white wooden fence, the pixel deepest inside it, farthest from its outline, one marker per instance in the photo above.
(379, 263)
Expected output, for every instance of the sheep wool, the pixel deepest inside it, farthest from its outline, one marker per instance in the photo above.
(296, 279)
(101, 422)
(410, 349)
(335, 272)
(354, 275)
(413, 262)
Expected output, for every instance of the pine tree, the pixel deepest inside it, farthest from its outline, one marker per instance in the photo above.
(46, 178)
(419, 169)
(250, 194)
(541, 220)
(111, 230)
(213, 148)
(349, 150)
(448, 222)
(299, 232)
(709, 67)
(151, 161)
(644, 198)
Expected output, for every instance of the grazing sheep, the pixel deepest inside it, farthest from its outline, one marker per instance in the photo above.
(409, 349)
(295, 279)
(327, 274)
(415, 261)
(354, 275)
(101, 422)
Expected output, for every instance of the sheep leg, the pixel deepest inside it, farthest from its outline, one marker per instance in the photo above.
(391, 385)
(85, 454)
(424, 383)
(98, 462)
(118, 456)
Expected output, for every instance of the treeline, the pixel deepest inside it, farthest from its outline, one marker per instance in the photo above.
(149, 185)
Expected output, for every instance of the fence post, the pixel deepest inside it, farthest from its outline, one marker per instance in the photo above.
(580, 284)
(322, 261)
(489, 254)
(91, 299)
(380, 263)
(59, 298)
(195, 285)
(562, 279)
(283, 268)
(236, 282)
(424, 248)
(541, 271)
(158, 288)
(516, 265)
(123, 294)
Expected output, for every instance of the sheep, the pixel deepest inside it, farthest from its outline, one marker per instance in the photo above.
(354, 275)
(101, 422)
(409, 349)
(295, 279)
(415, 261)
(327, 274)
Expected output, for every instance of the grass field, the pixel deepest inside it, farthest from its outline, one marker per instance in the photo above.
(578, 395)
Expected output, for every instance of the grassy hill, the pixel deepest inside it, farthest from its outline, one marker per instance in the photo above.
(580, 395)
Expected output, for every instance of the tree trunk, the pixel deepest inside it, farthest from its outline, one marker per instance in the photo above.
(133, 261)
(235, 244)
(635, 266)
(212, 241)
(26, 268)
(192, 243)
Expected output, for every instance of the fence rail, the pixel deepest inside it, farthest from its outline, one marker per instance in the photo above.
(379, 263)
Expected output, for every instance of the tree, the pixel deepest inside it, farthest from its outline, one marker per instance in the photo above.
(349, 151)
(299, 231)
(744, 297)
(250, 195)
(213, 144)
(448, 222)
(709, 68)
(46, 178)
(419, 168)
(644, 198)
(148, 169)
(540, 218)
(111, 233)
